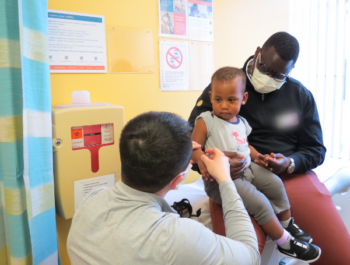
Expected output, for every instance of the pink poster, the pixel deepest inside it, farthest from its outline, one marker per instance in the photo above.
(173, 18)
(180, 24)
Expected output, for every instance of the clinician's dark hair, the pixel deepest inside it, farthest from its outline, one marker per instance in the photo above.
(154, 148)
(286, 46)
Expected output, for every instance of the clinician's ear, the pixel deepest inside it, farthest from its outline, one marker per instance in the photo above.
(175, 181)
(257, 52)
(245, 98)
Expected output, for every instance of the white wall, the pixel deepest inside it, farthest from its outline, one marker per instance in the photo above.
(249, 23)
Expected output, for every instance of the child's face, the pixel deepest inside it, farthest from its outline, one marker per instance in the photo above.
(227, 98)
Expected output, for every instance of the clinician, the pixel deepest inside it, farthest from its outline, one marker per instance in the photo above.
(131, 223)
(285, 122)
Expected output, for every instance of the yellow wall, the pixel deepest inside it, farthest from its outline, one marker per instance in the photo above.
(239, 27)
(137, 93)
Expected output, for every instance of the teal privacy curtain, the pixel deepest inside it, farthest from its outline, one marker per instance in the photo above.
(27, 210)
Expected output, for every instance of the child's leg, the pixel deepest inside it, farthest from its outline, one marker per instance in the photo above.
(212, 190)
(260, 208)
(272, 187)
(273, 228)
(284, 215)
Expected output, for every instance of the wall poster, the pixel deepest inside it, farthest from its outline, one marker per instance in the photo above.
(77, 42)
(173, 65)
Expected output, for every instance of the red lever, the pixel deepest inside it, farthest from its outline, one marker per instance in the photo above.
(94, 157)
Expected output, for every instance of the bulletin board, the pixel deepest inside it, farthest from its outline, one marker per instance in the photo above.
(201, 64)
(185, 65)
(131, 50)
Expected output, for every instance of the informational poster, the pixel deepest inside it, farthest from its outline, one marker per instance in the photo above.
(77, 42)
(200, 20)
(201, 64)
(173, 65)
(173, 18)
(83, 188)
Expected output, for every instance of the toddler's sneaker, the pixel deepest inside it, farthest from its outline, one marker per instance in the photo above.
(295, 231)
(301, 250)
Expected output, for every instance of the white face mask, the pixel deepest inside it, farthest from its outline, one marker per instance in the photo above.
(185, 174)
(263, 83)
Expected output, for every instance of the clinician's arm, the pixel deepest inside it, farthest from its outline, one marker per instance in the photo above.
(199, 245)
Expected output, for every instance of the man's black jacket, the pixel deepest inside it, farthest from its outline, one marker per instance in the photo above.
(303, 142)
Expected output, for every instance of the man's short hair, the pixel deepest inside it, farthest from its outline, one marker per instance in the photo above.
(154, 148)
(286, 46)
(228, 73)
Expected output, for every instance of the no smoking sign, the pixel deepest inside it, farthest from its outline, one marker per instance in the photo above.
(174, 57)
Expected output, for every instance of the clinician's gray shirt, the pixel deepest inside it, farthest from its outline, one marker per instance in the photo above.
(125, 226)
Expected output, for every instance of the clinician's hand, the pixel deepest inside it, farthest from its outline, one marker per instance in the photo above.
(204, 171)
(218, 165)
(237, 164)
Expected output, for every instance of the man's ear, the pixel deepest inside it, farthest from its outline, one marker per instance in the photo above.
(257, 52)
(245, 98)
(175, 181)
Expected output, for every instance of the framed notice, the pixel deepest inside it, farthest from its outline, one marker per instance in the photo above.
(173, 18)
(173, 65)
(77, 42)
(200, 20)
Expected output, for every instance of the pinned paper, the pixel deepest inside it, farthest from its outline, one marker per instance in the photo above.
(83, 188)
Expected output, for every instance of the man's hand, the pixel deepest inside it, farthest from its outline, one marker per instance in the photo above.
(261, 160)
(277, 163)
(218, 165)
(237, 164)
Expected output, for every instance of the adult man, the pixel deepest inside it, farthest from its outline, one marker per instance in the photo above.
(132, 223)
(287, 133)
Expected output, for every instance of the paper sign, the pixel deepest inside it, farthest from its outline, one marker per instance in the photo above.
(173, 65)
(107, 133)
(200, 20)
(84, 187)
(173, 18)
(77, 42)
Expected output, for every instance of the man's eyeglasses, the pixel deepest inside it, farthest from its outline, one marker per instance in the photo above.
(264, 69)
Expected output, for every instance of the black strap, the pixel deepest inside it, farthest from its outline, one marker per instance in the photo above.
(184, 209)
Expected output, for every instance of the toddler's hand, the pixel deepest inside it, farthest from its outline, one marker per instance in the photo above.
(262, 160)
(204, 171)
(218, 166)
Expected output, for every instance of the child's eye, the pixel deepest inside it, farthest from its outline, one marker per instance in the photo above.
(231, 100)
(217, 100)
